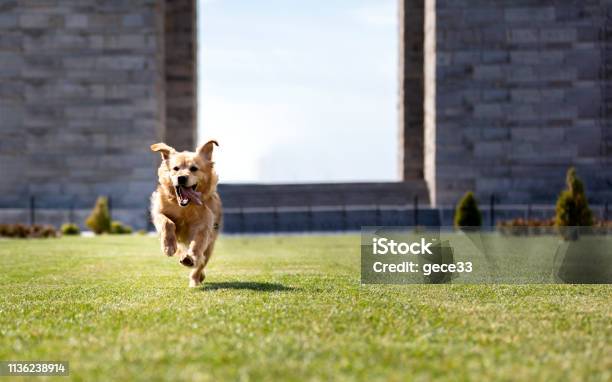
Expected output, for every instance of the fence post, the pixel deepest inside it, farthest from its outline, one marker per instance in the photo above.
(377, 215)
(110, 207)
(71, 218)
(605, 217)
(275, 219)
(528, 211)
(149, 221)
(309, 218)
(241, 214)
(344, 223)
(415, 210)
(32, 210)
(492, 209)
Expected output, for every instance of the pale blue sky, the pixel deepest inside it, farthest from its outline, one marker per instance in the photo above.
(299, 91)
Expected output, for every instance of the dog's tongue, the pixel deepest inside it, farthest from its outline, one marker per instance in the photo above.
(192, 195)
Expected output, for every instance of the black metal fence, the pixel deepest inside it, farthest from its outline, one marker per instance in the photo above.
(278, 219)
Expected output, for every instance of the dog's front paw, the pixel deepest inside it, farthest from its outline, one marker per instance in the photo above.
(187, 261)
(169, 246)
(191, 259)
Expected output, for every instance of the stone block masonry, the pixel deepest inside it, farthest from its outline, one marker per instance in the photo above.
(83, 94)
(515, 92)
(496, 96)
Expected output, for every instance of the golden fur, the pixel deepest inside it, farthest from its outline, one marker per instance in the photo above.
(188, 231)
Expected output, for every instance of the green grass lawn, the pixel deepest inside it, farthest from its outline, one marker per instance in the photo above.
(285, 308)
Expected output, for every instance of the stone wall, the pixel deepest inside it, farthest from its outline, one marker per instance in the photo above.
(521, 91)
(507, 95)
(83, 95)
(323, 194)
(79, 100)
(332, 206)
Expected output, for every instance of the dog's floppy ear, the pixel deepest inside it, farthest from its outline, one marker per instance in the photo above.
(206, 149)
(163, 149)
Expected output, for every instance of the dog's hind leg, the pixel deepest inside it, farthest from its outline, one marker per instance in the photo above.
(209, 251)
(196, 276)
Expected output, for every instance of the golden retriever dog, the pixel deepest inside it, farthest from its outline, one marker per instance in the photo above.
(186, 208)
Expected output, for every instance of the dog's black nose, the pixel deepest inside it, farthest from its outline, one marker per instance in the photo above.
(186, 261)
(182, 180)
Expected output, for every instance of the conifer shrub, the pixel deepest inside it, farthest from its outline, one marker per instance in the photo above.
(467, 213)
(572, 209)
(99, 220)
(572, 206)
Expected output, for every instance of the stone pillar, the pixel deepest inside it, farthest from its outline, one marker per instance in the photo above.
(516, 95)
(181, 74)
(411, 36)
(430, 145)
(13, 143)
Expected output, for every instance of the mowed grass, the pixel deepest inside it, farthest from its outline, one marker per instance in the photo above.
(284, 308)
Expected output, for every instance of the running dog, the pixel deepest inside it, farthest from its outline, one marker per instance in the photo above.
(186, 208)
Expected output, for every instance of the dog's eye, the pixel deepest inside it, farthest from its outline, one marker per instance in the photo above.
(193, 169)
(176, 169)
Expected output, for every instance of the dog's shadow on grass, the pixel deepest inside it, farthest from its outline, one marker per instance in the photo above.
(247, 285)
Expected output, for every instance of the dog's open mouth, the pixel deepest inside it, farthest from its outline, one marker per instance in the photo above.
(185, 195)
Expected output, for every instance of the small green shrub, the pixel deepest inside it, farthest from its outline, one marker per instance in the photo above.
(14, 230)
(99, 220)
(522, 226)
(4, 230)
(70, 229)
(43, 231)
(572, 206)
(467, 213)
(19, 230)
(119, 228)
(24, 231)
